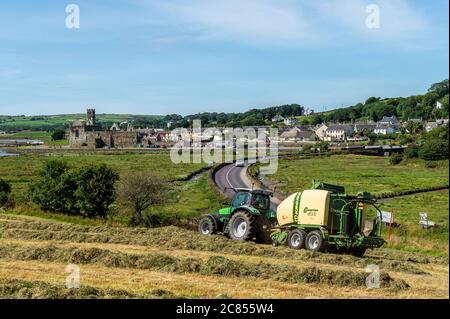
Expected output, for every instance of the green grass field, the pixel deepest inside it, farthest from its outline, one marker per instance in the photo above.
(408, 235)
(377, 175)
(184, 199)
(45, 122)
(358, 173)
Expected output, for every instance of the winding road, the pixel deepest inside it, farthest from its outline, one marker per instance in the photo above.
(236, 177)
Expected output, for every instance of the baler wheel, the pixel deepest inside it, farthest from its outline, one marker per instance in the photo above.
(296, 239)
(315, 242)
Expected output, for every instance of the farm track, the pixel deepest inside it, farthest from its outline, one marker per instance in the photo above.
(32, 249)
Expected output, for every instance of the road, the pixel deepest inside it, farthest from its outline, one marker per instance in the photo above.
(236, 177)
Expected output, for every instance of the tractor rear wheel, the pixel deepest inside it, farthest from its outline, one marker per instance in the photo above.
(315, 242)
(206, 226)
(358, 251)
(241, 225)
(263, 227)
(296, 239)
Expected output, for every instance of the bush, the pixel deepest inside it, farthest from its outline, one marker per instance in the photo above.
(412, 151)
(434, 150)
(94, 189)
(5, 192)
(88, 191)
(54, 190)
(58, 135)
(137, 192)
(396, 159)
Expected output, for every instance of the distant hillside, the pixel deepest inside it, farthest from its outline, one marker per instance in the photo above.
(374, 108)
(51, 122)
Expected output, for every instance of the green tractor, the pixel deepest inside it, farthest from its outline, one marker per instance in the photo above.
(249, 217)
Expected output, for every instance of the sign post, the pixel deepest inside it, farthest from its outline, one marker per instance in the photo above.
(390, 225)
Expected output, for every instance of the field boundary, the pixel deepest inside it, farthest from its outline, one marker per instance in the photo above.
(253, 177)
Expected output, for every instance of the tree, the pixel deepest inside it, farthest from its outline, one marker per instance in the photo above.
(88, 190)
(441, 88)
(58, 135)
(54, 189)
(5, 192)
(434, 150)
(372, 99)
(139, 191)
(95, 189)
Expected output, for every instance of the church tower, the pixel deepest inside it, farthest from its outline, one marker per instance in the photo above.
(90, 117)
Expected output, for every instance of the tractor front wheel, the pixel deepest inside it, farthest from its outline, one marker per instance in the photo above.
(296, 239)
(241, 225)
(206, 226)
(315, 242)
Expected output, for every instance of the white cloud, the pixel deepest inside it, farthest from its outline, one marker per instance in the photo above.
(399, 20)
(295, 22)
(262, 21)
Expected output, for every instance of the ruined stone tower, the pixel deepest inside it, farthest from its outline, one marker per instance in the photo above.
(90, 117)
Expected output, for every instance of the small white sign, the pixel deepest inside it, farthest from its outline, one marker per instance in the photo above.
(386, 217)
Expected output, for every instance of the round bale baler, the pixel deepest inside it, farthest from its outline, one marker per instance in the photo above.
(325, 218)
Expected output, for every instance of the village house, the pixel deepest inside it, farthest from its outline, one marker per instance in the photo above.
(308, 112)
(429, 126)
(364, 127)
(338, 132)
(383, 129)
(290, 121)
(296, 135)
(277, 118)
(321, 132)
(389, 120)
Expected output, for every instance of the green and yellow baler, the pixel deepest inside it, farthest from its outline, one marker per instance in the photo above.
(324, 217)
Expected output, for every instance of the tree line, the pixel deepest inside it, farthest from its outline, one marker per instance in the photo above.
(404, 108)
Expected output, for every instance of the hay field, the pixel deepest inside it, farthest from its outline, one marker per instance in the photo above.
(171, 262)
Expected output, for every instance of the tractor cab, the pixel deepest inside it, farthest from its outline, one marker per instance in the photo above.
(252, 198)
(248, 217)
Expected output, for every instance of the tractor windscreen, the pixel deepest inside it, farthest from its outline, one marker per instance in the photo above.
(260, 201)
(240, 199)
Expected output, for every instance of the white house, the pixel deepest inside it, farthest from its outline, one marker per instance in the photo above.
(438, 105)
(290, 121)
(321, 132)
(308, 112)
(277, 118)
(338, 132)
(384, 129)
(431, 126)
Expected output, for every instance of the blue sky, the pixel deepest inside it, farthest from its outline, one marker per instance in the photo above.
(160, 57)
